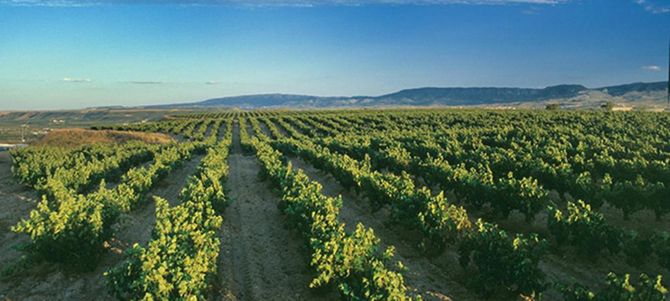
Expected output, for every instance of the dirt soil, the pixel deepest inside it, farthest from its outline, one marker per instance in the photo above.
(260, 259)
(75, 137)
(16, 201)
(136, 226)
(265, 128)
(49, 281)
(432, 278)
(565, 268)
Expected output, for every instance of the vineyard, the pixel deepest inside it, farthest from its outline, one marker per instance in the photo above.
(345, 205)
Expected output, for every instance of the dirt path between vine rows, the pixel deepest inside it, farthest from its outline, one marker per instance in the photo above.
(265, 129)
(136, 226)
(16, 201)
(279, 127)
(424, 275)
(51, 281)
(260, 259)
(210, 127)
(222, 131)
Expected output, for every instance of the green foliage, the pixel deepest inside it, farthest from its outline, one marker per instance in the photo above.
(176, 263)
(624, 193)
(661, 245)
(607, 106)
(72, 232)
(618, 289)
(525, 195)
(552, 107)
(441, 222)
(583, 228)
(182, 255)
(399, 160)
(503, 263)
(636, 247)
(353, 261)
(70, 225)
(418, 208)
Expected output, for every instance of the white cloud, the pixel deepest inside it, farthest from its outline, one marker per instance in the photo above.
(652, 68)
(653, 6)
(144, 82)
(531, 11)
(51, 3)
(212, 83)
(296, 3)
(76, 80)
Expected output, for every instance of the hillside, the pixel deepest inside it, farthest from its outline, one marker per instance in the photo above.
(652, 93)
(77, 137)
(38, 123)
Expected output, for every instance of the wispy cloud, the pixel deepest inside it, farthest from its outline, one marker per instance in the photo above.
(531, 11)
(212, 83)
(52, 3)
(261, 3)
(144, 82)
(75, 80)
(652, 68)
(653, 6)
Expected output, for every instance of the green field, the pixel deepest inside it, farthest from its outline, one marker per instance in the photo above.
(35, 124)
(431, 204)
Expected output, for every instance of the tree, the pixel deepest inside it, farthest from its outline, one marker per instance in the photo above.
(607, 106)
(553, 107)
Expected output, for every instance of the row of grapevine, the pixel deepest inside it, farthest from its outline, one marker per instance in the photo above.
(618, 288)
(496, 255)
(179, 261)
(588, 231)
(225, 114)
(190, 129)
(78, 168)
(352, 261)
(484, 241)
(72, 227)
(587, 166)
(477, 186)
(581, 228)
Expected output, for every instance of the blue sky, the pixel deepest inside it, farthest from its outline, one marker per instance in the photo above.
(61, 54)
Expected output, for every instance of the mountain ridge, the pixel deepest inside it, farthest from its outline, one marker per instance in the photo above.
(428, 96)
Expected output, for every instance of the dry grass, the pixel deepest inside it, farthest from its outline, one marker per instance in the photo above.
(76, 137)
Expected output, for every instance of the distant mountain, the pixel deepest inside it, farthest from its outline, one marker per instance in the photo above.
(472, 96)
(428, 96)
(634, 87)
(260, 101)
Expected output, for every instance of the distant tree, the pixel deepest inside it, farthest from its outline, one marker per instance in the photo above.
(553, 107)
(608, 106)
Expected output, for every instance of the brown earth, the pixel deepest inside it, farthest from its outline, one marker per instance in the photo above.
(260, 259)
(264, 127)
(49, 281)
(434, 279)
(16, 201)
(566, 267)
(136, 226)
(76, 137)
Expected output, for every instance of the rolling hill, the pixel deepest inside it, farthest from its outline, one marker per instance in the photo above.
(652, 93)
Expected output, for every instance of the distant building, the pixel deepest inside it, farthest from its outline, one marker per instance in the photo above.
(622, 109)
(5, 146)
